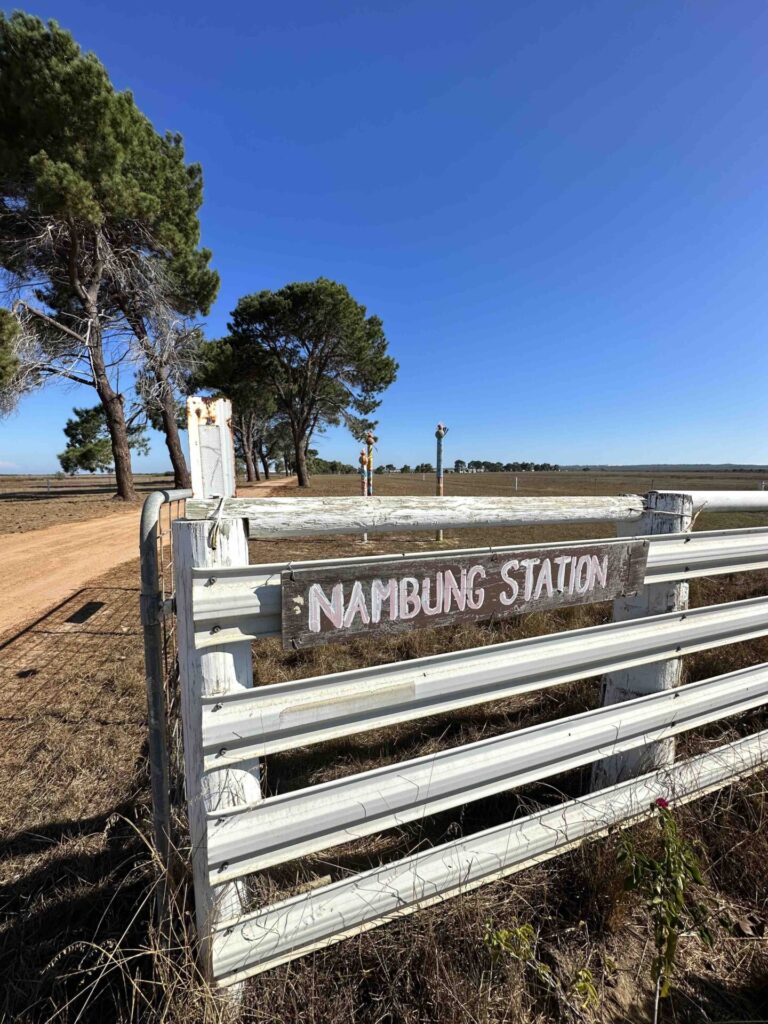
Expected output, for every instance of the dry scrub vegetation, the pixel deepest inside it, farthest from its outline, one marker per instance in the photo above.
(77, 877)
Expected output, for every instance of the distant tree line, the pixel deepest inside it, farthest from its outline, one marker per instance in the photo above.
(460, 466)
(479, 465)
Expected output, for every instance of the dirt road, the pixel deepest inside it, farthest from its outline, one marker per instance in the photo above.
(46, 566)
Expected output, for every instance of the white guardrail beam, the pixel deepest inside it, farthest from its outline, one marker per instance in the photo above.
(242, 840)
(314, 920)
(244, 603)
(305, 711)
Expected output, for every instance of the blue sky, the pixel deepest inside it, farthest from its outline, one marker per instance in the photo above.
(558, 209)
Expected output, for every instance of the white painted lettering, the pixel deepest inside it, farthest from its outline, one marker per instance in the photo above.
(410, 603)
(561, 562)
(544, 580)
(426, 588)
(333, 609)
(476, 597)
(452, 589)
(380, 591)
(506, 569)
(356, 606)
(600, 571)
(572, 582)
(529, 564)
(583, 574)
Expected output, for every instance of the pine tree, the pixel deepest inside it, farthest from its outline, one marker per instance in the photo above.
(89, 448)
(99, 233)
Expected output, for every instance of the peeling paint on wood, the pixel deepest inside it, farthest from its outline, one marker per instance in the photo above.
(302, 517)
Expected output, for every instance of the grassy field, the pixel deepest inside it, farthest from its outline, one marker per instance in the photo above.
(34, 502)
(76, 877)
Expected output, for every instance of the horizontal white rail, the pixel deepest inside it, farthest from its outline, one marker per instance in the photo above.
(242, 840)
(284, 715)
(682, 556)
(244, 603)
(314, 920)
(302, 517)
(727, 501)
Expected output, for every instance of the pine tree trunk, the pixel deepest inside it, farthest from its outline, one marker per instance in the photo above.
(182, 476)
(250, 468)
(255, 461)
(118, 433)
(264, 459)
(118, 430)
(301, 459)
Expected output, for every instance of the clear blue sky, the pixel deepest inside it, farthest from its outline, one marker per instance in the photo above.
(558, 209)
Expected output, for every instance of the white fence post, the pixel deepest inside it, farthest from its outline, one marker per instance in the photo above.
(211, 447)
(665, 512)
(214, 670)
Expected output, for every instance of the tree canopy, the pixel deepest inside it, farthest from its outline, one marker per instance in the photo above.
(89, 448)
(316, 349)
(99, 231)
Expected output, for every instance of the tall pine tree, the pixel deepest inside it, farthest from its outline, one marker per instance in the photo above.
(99, 234)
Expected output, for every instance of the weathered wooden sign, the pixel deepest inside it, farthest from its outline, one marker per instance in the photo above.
(340, 603)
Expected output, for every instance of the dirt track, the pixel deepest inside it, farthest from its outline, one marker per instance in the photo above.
(48, 565)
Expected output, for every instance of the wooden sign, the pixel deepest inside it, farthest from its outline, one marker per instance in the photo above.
(327, 605)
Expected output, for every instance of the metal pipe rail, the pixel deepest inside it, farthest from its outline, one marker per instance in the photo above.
(152, 611)
(244, 603)
(727, 501)
(239, 726)
(270, 936)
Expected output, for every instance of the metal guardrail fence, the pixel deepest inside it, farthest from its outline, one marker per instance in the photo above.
(223, 604)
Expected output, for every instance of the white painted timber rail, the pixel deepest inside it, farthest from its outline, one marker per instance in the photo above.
(242, 840)
(302, 517)
(313, 920)
(297, 713)
(244, 603)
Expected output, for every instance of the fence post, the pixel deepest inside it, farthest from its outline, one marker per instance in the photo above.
(364, 481)
(369, 441)
(214, 670)
(665, 512)
(440, 433)
(211, 447)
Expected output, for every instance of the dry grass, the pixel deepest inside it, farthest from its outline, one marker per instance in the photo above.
(77, 878)
(34, 502)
